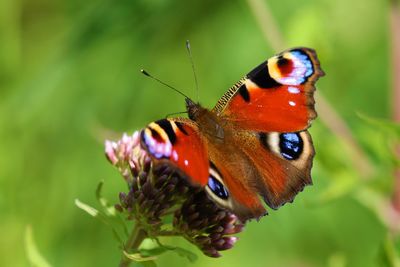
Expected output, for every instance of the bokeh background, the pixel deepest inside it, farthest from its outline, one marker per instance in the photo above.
(69, 78)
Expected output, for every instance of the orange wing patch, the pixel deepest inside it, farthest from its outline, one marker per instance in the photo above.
(282, 109)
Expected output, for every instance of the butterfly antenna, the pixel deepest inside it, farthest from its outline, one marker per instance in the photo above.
(163, 83)
(194, 71)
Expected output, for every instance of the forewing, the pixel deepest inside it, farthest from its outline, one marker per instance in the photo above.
(276, 96)
(178, 142)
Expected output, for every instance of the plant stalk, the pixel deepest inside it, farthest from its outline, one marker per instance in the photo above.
(395, 47)
(132, 244)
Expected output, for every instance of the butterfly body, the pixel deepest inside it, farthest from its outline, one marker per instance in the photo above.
(254, 143)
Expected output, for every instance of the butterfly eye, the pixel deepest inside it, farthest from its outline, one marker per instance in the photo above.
(291, 145)
(217, 187)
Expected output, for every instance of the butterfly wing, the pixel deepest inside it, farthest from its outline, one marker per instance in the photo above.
(275, 166)
(276, 96)
(178, 142)
(269, 151)
(282, 161)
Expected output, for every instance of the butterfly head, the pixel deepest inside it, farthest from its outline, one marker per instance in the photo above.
(194, 109)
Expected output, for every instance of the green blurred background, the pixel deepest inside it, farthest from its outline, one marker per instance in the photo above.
(69, 78)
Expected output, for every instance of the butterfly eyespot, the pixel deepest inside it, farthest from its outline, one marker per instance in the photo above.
(290, 145)
(282, 61)
(285, 66)
(217, 188)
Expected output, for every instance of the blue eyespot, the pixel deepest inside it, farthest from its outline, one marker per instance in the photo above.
(217, 188)
(291, 145)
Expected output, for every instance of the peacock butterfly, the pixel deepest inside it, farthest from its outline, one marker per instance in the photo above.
(253, 143)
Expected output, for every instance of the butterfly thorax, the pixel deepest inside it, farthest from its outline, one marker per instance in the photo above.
(207, 121)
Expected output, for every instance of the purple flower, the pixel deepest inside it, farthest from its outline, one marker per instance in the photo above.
(156, 191)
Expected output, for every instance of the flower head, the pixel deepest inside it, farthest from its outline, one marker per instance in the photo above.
(156, 190)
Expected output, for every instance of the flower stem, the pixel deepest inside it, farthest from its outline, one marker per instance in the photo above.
(132, 244)
(395, 35)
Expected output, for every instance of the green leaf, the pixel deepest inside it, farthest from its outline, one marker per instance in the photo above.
(108, 209)
(192, 257)
(153, 247)
(149, 243)
(33, 254)
(138, 257)
(153, 252)
(88, 209)
(150, 247)
(92, 212)
(99, 197)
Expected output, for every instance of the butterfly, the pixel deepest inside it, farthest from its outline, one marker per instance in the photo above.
(254, 144)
